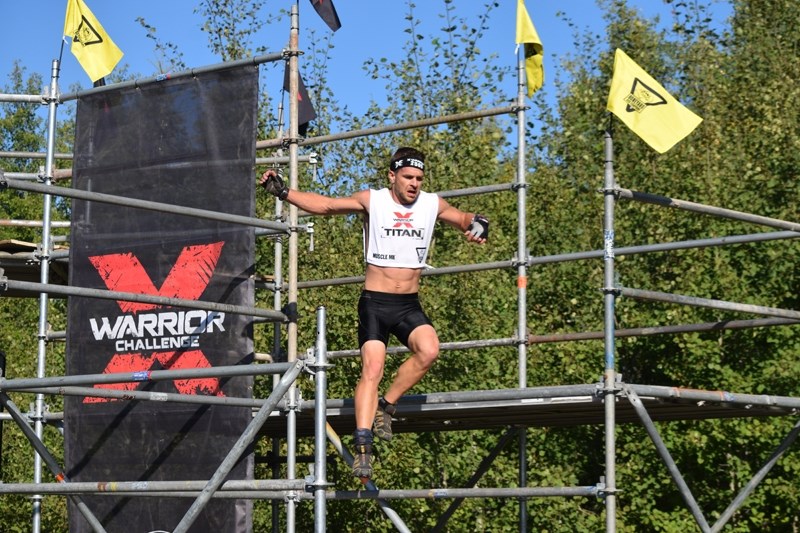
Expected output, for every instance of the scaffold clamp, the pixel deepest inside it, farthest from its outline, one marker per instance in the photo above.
(41, 177)
(288, 52)
(615, 390)
(33, 416)
(312, 362)
(616, 291)
(3, 281)
(287, 141)
(603, 490)
(3, 182)
(310, 231)
(615, 191)
(313, 484)
(294, 401)
(518, 261)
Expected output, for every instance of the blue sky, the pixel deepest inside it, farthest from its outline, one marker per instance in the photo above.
(370, 28)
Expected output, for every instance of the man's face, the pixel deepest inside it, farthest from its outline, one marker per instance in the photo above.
(406, 183)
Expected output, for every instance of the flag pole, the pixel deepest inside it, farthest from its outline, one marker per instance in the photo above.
(610, 389)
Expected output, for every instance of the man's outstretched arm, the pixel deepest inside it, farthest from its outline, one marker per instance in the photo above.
(474, 226)
(312, 202)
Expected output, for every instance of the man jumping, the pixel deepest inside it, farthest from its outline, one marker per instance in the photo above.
(398, 227)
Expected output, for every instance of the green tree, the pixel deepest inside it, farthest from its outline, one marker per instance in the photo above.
(732, 78)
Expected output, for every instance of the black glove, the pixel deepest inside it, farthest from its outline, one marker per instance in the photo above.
(275, 185)
(479, 227)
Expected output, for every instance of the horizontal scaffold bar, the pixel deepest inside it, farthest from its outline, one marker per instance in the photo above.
(148, 375)
(66, 192)
(641, 294)
(277, 143)
(661, 330)
(49, 288)
(666, 201)
(226, 65)
(297, 489)
(437, 494)
(717, 396)
(157, 487)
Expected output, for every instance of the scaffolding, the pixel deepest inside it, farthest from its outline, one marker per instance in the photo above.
(608, 402)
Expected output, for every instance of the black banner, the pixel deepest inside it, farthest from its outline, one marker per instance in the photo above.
(188, 142)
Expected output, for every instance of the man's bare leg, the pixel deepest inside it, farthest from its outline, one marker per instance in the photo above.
(373, 357)
(424, 345)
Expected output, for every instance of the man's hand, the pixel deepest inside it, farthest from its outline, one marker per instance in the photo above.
(274, 184)
(478, 229)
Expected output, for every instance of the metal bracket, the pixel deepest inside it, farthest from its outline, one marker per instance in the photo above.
(601, 386)
(312, 484)
(603, 490)
(310, 231)
(291, 400)
(613, 190)
(616, 291)
(312, 362)
(287, 141)
(517, 262)
(31, 414)
(287, 53)
(41, 255)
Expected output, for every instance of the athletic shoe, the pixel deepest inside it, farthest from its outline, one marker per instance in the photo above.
(362, 462)
(382, 425)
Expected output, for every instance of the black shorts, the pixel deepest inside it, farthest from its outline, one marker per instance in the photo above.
(382, 313)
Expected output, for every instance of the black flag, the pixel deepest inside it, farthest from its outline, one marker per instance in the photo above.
(305, 109)
(325, 9)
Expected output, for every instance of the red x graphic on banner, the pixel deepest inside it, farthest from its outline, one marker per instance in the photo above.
(188, 278)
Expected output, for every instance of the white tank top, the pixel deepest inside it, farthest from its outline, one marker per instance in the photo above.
(397, 235)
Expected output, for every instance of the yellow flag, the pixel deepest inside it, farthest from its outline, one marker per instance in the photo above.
(91, 45)
(646, 107)
(526, 33)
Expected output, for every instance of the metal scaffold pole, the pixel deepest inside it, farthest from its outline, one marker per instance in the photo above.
(44, 277)
(522, 283)
(320, 422)
(291, 334)
(609, 375)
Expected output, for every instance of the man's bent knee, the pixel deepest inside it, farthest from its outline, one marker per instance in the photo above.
(426, 358)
